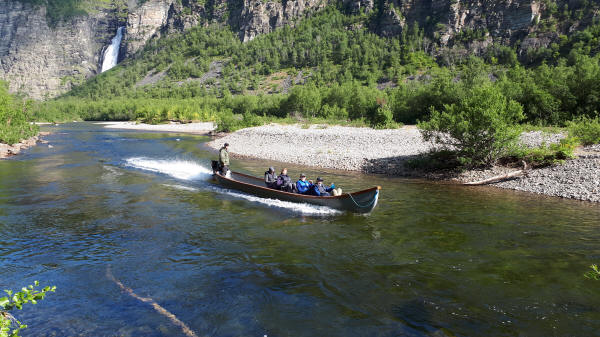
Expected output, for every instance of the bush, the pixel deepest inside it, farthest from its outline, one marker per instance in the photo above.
(229, 122)
(383, 117)
(544, 155)
(14, 118)
(478, 128)
(586, 129)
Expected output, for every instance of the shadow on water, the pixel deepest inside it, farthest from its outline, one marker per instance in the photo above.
(431, 260)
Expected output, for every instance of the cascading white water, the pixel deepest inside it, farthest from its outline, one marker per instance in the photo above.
(111, 54)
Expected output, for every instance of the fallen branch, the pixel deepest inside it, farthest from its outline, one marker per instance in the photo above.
(496, 179)
(186, 330)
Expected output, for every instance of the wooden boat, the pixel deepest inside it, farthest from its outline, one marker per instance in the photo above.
(358, 202)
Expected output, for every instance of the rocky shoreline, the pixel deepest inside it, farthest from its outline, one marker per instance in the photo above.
(12, 150)
(387, 151)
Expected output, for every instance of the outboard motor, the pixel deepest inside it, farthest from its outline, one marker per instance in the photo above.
(215, 166)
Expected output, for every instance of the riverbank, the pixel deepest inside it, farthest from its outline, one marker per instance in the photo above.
(194, 128)
(12, 150)
(387, 152)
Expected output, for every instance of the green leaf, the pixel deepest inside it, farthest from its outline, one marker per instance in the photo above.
(4, 301)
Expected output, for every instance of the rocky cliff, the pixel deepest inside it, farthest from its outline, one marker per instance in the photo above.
(499, 19)
(45, 61)
(249, 18)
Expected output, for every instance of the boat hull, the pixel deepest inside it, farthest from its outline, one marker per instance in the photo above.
(357, 202)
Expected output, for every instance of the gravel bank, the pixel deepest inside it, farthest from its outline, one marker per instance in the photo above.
(196, 128)
(386, 151)
(337, 147)
(575, 179)
(538, 138)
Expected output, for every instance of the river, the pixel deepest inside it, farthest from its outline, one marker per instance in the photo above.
(431, 260)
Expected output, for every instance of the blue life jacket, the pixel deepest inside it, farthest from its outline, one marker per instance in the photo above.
(303, 186)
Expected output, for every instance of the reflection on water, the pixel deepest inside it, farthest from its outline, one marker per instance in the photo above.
(431, 260)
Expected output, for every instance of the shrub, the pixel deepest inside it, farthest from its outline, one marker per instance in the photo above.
(544, 155)
(229, 122)
(14, 118)
(478, 127)
(586, 129)
(383, 116)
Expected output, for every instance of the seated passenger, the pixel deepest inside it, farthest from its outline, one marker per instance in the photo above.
(271, 178)
(302, 185)
(319, 189)
(284, 182)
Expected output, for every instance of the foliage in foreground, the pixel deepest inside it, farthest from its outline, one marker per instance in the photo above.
(14, 118)
(478, 127)
(9, 326)
(593, 274)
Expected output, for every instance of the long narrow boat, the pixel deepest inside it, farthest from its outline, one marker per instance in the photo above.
(358, 202)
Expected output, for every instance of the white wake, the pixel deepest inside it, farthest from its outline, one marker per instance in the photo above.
(190, 171)
(180, 169)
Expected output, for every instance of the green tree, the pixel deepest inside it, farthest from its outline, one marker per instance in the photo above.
(478, 128)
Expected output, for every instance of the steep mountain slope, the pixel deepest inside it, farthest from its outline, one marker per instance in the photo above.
(48, 46)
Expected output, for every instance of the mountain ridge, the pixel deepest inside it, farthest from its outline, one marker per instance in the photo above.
(68, 49)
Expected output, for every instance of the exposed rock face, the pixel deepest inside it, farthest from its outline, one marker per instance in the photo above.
(260, 17)
(145, 22)
(503, 20)
(357, 6)
(43, 61)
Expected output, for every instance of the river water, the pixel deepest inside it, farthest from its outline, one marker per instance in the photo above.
(431, 260)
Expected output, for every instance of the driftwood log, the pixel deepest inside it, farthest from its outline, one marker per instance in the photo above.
(496, 179)
(500, 178)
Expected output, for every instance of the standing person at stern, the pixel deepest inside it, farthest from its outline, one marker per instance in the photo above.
(224, 159)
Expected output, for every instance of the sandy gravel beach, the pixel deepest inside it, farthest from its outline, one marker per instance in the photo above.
(196, 128)
(337, 147)
(386, 151)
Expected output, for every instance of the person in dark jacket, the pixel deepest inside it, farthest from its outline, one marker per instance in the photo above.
(319, 189)
(303, 185)
(284, 182)
(271, 178)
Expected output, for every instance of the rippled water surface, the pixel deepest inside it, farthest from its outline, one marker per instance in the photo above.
(431, 260)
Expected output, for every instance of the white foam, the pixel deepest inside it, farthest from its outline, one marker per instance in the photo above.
(181, 187)
(189, 171)
(292, 206)
(180, 169)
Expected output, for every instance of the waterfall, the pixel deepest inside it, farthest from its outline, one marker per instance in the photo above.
(111, 54)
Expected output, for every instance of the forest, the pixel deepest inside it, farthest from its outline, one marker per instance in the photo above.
(332, 68)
